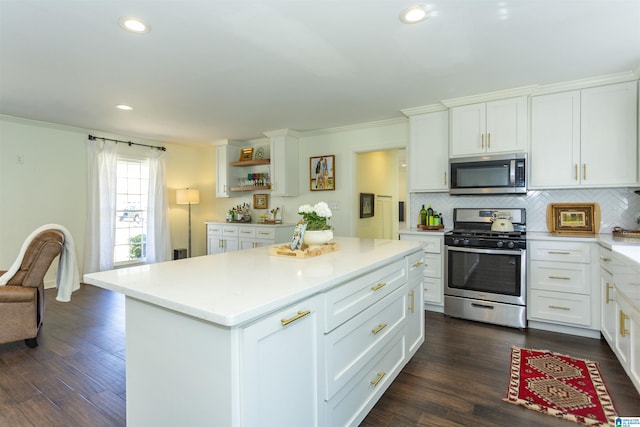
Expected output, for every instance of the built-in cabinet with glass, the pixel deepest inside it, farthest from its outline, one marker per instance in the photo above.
(585, 137)
(489, 127)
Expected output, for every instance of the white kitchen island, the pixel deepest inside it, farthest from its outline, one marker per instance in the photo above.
(249, 339)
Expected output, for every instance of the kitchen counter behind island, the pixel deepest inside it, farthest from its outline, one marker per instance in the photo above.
(245, 338)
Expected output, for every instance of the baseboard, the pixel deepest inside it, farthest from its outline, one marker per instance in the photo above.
(433, 307)
(571, 330)
(48, 284)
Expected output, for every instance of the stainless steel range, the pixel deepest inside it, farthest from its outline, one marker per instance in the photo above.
(485, 270)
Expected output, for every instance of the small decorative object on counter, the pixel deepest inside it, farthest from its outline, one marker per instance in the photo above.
(239, 213)
(429, 216)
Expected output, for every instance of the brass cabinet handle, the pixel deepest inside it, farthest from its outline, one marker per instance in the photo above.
(623, 330)
(482, 141)
(378, 379)
(264, 233)
(584, 171)
(378, 286)
(605, 259)
(577, 177)
(380, 327)
(560, 277)
(559, 307)
(559, 253)
(412, 294)
(418, 264)
(300, 315)
(489, 141)
(606, 293)
(445, 178)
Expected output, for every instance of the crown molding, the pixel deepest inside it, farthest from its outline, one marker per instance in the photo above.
(424, 109)
(586, 83)
(386, 122)
(490, 96)
(282, 132)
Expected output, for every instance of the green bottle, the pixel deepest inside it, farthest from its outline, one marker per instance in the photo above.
(423, 216)
(429, 216)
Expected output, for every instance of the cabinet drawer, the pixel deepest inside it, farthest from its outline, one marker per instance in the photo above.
(346, 301)
(560, 277)
(229, 231)
(265, 233)
(415, 266)
(560, 307)
(432, 265)
(353, 344)
(352, 402)
(560, 251)
(433, 290)
(432, 244)
(214, 229)
(246, 232)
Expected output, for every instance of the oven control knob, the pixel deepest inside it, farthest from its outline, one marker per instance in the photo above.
(465, 242)
(499, 244)
(510, 245)
(456, 241)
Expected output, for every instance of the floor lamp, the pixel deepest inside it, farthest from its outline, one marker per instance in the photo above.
(188, 196)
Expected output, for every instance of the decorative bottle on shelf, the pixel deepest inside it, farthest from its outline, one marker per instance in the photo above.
(423, 216)
(429, 215)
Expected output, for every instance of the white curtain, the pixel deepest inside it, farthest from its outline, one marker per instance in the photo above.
(158, 241)
(101, 221)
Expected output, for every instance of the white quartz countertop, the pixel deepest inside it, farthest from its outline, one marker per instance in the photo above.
(261, 224)
(234, 288)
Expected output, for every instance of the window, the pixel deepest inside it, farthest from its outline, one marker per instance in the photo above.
(132, 186)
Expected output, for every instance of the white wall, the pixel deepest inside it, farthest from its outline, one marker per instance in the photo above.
(43, 179)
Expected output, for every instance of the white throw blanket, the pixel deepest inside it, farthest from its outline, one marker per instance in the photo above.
(67, 277)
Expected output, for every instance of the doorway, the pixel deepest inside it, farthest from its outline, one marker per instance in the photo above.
(382, 173)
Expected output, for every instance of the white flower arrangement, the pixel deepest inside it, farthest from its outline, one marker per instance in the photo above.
(316, 217)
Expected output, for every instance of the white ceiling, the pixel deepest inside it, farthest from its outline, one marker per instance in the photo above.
(210, 70)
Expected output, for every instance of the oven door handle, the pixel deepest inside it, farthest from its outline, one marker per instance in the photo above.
(486, 251)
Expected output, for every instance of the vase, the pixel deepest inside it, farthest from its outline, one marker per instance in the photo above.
(317, 237)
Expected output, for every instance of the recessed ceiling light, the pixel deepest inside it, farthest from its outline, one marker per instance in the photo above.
(134, 25)
(415, 14)
(124, 107)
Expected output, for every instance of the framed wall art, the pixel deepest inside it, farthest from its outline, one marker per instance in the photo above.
(367, 205)
(246, 154)
(260, 201)
(573, 218)
(322, 173)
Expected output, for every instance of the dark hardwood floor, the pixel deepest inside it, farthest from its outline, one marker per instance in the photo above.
(76, 377)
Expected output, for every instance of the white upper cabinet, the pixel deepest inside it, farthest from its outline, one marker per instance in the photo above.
(284, 163)
(222, 171)
(428, 154)
(584, 138)
(489, 127)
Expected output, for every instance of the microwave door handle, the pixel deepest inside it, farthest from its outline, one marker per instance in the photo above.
(512, 173)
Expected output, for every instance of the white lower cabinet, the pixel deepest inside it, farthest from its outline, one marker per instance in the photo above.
(415, 311)
(433, 282)
(282, 368)
(621, 317)
(607, 297)
(229, 237)
(563, 294)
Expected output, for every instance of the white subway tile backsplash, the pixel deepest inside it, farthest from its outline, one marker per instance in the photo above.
(618, 206)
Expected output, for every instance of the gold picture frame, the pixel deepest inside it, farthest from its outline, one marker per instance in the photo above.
(260, 201)
(246, 154)
(573, 218)
(322, 176)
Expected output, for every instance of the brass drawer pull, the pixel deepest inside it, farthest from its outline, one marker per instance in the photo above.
(300, 314)
(607, 298)
(378, 379)
(378, 286)
(623, 331)
(412, 294)
(380, 327)
(560, 277)
(606, 259)
(559, 253)
(559, 307)
(418, 264)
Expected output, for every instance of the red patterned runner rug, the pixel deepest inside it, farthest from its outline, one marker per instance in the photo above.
(561, 386)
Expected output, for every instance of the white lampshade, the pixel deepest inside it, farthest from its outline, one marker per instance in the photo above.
(187, 196)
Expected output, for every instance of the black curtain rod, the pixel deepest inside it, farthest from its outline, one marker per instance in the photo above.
(129, 143)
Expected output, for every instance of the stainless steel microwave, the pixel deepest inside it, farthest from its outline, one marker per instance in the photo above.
(491, 174)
